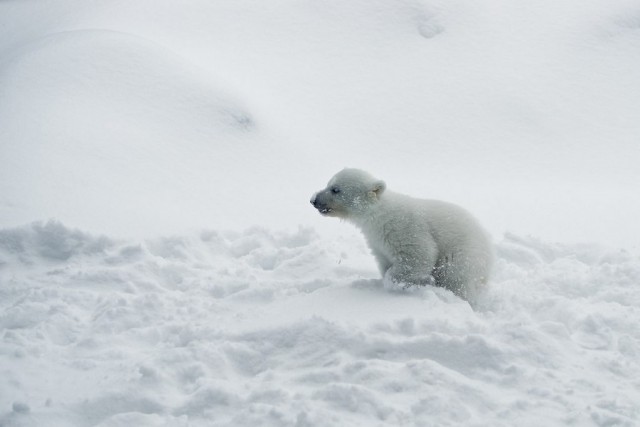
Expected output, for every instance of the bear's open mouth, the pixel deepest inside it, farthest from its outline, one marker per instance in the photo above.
(325, 210)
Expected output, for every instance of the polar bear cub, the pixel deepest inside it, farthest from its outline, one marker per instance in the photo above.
(414, 241)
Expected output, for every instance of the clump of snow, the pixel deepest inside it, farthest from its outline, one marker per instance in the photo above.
(288, 328)
(49, 241)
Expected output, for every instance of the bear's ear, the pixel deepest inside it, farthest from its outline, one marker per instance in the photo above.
(378, 188)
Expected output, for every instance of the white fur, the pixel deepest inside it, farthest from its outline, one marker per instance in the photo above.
(415, 241)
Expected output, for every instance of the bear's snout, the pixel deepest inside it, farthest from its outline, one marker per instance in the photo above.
(316, 202)
(320, 205)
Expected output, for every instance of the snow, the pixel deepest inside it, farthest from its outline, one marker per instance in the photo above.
(263, 328)
(160, 264)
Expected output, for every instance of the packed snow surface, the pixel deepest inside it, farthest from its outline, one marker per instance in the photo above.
(160, 264)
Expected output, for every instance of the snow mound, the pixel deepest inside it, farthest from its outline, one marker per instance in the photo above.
(275, 328)
(127, 78)
(49, 241)
(102, 124)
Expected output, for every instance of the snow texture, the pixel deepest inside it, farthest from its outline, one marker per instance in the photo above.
(160, 264)
(264, 328)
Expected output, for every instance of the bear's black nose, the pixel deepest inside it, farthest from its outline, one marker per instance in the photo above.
(315, 200)
(317, 203)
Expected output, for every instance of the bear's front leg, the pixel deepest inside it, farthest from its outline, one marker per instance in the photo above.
(404, 275)
(412, 260)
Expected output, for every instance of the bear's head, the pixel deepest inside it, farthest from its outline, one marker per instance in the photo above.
(351, 192)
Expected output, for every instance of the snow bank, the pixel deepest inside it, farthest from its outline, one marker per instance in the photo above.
(273, 328)
(117, 127)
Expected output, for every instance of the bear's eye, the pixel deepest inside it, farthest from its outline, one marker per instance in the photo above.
(335, 190)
